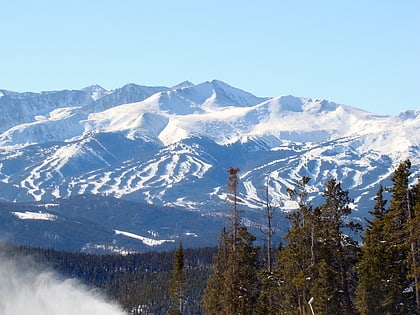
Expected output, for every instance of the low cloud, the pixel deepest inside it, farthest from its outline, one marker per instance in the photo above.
(26, 288)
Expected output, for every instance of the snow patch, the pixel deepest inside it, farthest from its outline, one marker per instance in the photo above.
(146, 241)
(28, 215)
(191, 234)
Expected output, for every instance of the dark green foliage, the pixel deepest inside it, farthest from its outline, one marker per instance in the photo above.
(214, 293)
(396, 233)
(136, 281)
(338, 250)
(177, 288)
(296, 260)
(413, 242)
(233, 287)
(388, 269)
(318, 261)
(372, 274)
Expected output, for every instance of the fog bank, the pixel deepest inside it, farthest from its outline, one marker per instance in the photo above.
(25, 288)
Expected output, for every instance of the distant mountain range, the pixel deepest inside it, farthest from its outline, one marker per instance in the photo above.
(171, 147)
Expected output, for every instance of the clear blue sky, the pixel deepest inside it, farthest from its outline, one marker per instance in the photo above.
(360, 53)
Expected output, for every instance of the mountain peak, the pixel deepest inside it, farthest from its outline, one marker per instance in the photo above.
(93, 87)
(182, 85)
(96, 91)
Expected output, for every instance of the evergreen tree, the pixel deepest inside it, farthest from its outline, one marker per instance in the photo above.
(317, 265)
(397, 298)
(269, 298)
(233, 287)
(231, 290)
(214, 294)
(177, 286)
(413, 242)
(296, 261)
(338, 250)
(372, 265)
(243, 286)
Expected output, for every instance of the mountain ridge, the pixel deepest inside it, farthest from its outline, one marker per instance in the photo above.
(172, 146)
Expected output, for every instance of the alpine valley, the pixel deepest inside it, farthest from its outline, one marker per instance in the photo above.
(139, 167)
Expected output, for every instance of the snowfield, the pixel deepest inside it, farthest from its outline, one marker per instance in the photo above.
(172, 146)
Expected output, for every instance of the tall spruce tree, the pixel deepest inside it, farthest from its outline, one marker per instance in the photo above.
(388, 270)
(413, 261)
(296, 261)
(233, 287)
(337, 253)
(318, 262)
(215, 292)
(397, 296)
(372, 270)
(177, 288)
(234, 291)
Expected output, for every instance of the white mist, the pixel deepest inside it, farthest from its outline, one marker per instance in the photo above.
(27, 289)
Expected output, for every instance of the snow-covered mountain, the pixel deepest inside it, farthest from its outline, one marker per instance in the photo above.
(172, 146)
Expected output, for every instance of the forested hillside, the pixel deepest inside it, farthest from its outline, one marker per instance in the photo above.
(319, 267)
(139, 282)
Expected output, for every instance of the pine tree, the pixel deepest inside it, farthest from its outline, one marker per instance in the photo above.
(243, 286)
(372, 265)
(230, 290)
(233, 287)
(397, 298)
(337, 250)
(413, 242)
(296, 261)
(177, 289)
(213, 294)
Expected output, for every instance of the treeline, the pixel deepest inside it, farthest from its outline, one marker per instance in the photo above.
(139, 282)
(320, 268)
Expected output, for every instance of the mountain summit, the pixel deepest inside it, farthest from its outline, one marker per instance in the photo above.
(172, 146)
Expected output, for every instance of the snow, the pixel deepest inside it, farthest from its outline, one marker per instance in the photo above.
(226, 115)
(301, 135)
(96, 91)
(145, 240)
(105, 248)
(191, 234)
(62, 113)
(183, 85)
(28, 215)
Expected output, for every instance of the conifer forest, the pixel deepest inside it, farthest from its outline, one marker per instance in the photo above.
(326, 262)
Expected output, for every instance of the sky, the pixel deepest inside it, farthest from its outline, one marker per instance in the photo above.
(364, 54)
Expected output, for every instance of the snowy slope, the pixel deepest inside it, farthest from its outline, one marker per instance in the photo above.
(172, 146)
